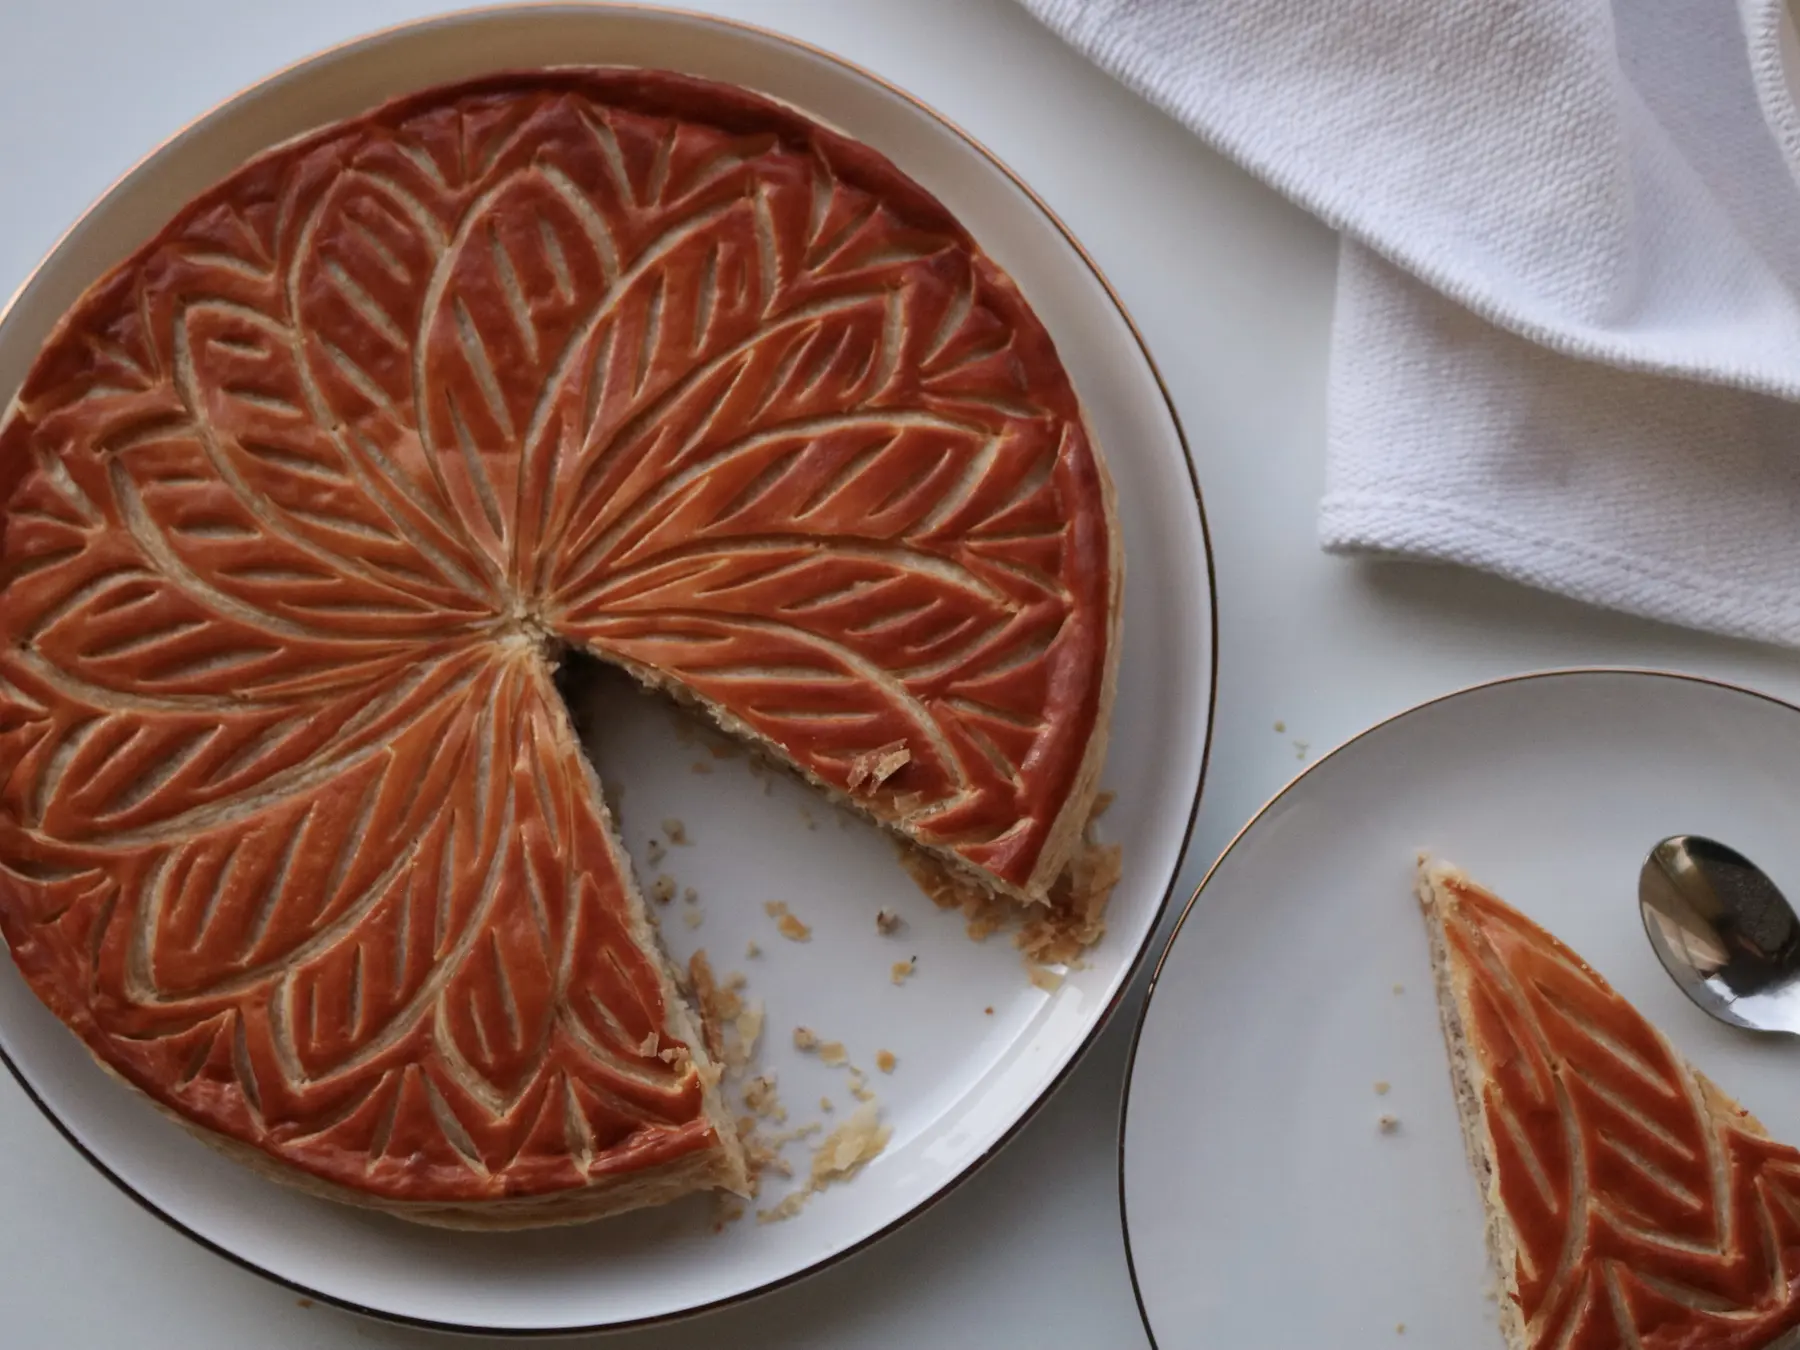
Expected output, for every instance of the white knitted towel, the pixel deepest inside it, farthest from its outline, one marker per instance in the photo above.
(1567, 341)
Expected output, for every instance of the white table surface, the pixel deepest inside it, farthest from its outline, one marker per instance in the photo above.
(1233, 290)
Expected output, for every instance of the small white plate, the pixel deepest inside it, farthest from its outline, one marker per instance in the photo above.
(966, 1078)
(1263, 1204)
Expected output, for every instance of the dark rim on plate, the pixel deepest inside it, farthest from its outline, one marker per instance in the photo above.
(1133, 966)
(1137, 1032)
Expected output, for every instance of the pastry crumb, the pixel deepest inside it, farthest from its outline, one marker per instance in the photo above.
(872, 768)
(807, 817)
(833, 1053)
(1399, 1328)
(885, 1060)
(303, 1303)
(840, 1155)
(748, 1024)
(676, 831)
(786, 924)
(689, 895)
(984, 913)
(887, 923)
(662, 890)
(1056, 933)
(759, 1095)
(707, 1003)
(989, 1010)
(1381, 1087)
(846, 1150)
(1389, 1124)
(752, 951)
(791, 1204)
(1300, 749)
(1077, 911)
(694, 917)
(761, 1158)
(1399, 989)
(1281, 728)
(859, 1086)
(1042, 976)
(900, 971)
(655, 851)
(805, 1039)
(825, 1104)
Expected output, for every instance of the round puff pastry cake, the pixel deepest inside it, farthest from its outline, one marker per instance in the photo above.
(303, 502)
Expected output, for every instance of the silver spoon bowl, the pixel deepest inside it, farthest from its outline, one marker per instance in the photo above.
(1724, 932)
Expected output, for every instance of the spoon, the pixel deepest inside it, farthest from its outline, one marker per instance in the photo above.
(1724, 932)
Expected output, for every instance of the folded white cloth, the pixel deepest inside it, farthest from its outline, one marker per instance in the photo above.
(1567, 340)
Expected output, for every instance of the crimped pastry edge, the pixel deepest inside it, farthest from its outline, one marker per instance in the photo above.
(1068, 826)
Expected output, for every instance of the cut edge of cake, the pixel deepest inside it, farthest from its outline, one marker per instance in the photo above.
(1061, 843)
(722, 1167)
(1436, 890)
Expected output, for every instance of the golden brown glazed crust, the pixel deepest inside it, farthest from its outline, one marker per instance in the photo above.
(300, 500)
(1647, 1208)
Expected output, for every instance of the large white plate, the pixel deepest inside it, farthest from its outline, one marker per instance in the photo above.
(967, 1078)
(1263, 1205)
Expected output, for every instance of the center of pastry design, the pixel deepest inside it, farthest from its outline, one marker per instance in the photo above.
(303, 502)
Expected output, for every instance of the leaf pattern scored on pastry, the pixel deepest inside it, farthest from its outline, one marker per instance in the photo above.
(1650, 1211)
(300, 501)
